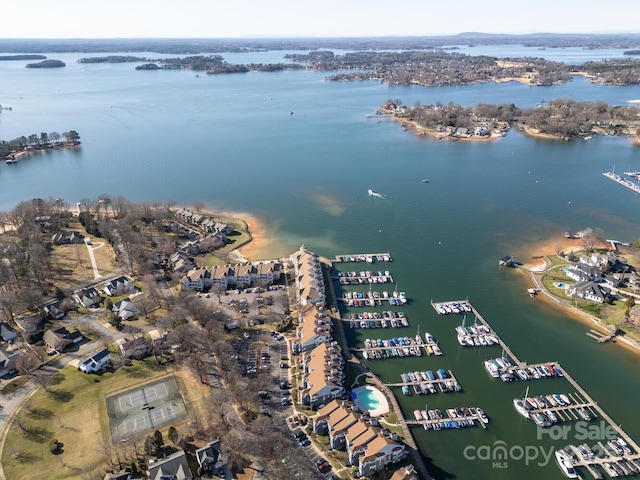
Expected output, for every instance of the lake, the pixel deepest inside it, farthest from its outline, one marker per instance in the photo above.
(300, 154)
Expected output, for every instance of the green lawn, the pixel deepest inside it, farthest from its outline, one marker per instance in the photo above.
(74, 413)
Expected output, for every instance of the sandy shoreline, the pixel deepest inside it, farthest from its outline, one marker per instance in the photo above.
(538, 265)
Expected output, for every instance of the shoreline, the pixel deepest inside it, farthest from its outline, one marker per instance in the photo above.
(536, 269)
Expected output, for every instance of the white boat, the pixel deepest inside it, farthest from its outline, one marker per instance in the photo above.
(429, 338)
(521, 406)
(492, 369)
(482, 416)
(565, 462)
(462, 341)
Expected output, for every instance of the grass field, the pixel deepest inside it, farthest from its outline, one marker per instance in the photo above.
(73, 412)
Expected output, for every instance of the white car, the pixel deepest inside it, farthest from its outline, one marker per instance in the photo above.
(246, 335)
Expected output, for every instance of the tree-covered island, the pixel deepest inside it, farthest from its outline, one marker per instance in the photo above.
(47, 64)
(562, 118)
(437, 68)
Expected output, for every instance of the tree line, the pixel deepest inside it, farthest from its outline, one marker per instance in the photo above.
(564, 118)
(37, 142)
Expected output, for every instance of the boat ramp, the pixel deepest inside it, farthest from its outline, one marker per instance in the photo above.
(363, 257)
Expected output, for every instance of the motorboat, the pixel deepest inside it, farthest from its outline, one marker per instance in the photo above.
(565, 462)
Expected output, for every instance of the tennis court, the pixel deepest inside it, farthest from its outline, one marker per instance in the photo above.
(145, 408)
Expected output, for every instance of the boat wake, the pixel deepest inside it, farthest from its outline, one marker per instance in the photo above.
(373, 193)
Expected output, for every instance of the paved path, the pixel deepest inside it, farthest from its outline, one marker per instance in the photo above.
(94, 265)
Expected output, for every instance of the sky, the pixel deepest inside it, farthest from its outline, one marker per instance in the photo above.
(309, 18)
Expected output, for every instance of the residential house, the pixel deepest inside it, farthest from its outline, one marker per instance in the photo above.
(308, 277)
(119, 286)
(209, 458)
(137, 348)
(124, 474)
(28, 323)
(582, 271)
(67, 238)
(88, 297)
(96, 362)
(589, 290)
(314, 328)
(171, 467)
(596, 259)
(323, 376)
(634, 315)
(337, 423)
(7, 333)
(124, 309)
(60, 339)
(198, 279)
(405, 473)
(379, 453)
(53, 310)
(320, 421)
(338, 432)
(8, 361)
(180, 262)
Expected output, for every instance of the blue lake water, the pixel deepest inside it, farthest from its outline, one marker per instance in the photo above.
(231, 142)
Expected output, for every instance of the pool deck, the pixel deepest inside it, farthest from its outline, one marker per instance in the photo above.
(383, 405)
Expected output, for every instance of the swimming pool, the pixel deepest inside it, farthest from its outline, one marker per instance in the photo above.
(560, 285)
(371, 400)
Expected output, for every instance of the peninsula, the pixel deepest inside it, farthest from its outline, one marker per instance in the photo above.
(562, 119)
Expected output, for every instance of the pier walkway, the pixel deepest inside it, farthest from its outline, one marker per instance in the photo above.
(363, 257)
(623, 181)
(472, 419)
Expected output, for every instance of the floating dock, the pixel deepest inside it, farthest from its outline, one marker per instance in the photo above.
(386, 319)
(453, 419)
(372, 277)
(372, 299)
(445, 385)
(601, 337)
(623, 181)
(363, 257)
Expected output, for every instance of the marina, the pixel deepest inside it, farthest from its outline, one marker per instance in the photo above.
(375, 349)
(373, 299)
(385, 319)
(455, 418)
(623, 181)
(363, 257)
(428, 382)
(476, 335)
(545, 410)
(363, 277)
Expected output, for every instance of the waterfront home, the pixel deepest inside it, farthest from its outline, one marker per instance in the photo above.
(87, 297)
(95, 362)
(171, 467)
(597, 260)
(197, 279)
(119, 286)
(338, 431)
(320, 421)
(318, 387)
(314, 328)
(308, 277)
(60, 339)
(379, 453)
(580, 272)
(67, 238)
(589, 290)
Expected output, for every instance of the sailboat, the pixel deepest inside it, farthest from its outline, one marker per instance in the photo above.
(521, 405)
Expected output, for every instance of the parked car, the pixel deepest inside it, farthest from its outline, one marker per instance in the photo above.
(305, 442)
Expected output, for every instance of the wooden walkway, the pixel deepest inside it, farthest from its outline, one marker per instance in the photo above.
(431, 422)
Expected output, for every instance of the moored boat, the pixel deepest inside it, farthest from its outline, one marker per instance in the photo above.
(565, 462)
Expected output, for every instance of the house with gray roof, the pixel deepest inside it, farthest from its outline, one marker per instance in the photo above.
(88, 297)
(209, 458)
(589, 290)
(171, 467)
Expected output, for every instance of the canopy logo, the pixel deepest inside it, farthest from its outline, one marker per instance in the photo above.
(500, 454)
